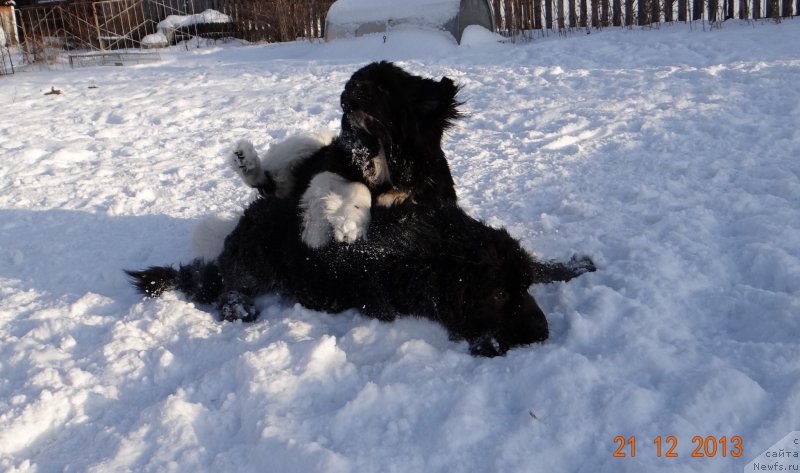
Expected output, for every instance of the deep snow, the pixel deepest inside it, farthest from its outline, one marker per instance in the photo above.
(669, 156)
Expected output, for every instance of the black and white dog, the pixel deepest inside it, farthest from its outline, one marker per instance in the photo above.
(422, 254)
(388, 151)
(436, 263)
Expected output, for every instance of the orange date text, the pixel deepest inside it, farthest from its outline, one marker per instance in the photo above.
(708, 446)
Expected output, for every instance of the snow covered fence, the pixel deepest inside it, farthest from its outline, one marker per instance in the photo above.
(107, 25)
(45, 30)
(516, 16)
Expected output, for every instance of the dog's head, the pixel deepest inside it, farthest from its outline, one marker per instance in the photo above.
(385, 107)
(493, 309)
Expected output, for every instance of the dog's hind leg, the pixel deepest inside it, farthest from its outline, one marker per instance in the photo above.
(246, 163)
(552, 271)
(282, 157)
(274, 173)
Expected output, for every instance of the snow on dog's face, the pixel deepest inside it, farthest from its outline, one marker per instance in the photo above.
(386, 110)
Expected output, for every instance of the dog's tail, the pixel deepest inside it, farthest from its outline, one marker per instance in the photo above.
(199, 280)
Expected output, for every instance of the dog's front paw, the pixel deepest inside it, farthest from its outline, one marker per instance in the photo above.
(316, 232)
(581, 264)
(234, 305)
(334, 206)
(245, 162)
(348, 231)
(349, 223)
(348, 212)
(486, 346)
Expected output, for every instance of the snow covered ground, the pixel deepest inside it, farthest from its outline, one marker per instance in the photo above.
(669, 156)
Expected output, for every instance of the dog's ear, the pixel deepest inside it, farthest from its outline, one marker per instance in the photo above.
(439, 102)
(449, 89)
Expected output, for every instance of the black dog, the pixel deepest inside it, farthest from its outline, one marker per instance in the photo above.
(436, 263)
(390, 141)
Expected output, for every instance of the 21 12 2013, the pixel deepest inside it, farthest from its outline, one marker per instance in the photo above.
(708, 446)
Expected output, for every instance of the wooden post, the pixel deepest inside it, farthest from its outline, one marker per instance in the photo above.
(573, 14)
(643, 10)
(628, 12)
(787, 8)
(697, 10)
(743, 10)
(548, 14)
(97, 25)
(537, 14)
(584, 18)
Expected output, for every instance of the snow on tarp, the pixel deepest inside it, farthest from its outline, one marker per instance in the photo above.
(354, 18)
(357, 17)
(208, 16)
(475, 35)
(361, 11)
(168, 25)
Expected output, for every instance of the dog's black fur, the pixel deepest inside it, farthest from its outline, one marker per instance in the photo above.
(390, 138)
(436, 263)
(422, 256)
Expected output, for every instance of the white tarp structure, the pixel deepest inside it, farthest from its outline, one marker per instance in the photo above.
(166, 27)
(349, 18)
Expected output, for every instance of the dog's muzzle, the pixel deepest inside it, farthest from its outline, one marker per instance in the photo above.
(360, 120)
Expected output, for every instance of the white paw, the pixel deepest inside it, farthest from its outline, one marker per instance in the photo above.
(350, 219)
(347, 208)
(245, 162)
(334, 207)
(316, 231)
